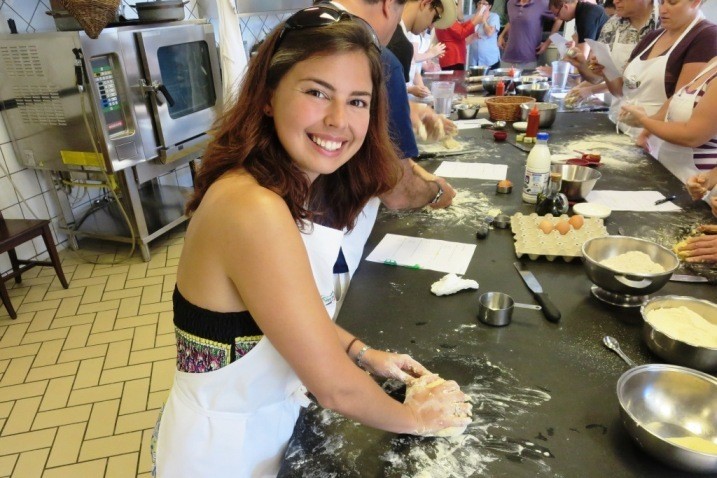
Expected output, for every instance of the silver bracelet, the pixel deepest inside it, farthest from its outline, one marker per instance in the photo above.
(362, 352)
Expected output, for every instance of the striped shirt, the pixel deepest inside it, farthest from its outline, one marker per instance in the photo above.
(705, 156)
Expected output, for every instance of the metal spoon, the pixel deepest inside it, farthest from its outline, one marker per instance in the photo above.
(614, 345)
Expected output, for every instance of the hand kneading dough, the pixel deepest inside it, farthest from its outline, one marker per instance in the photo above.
(418, 385)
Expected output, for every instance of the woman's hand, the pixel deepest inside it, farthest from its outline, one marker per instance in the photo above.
(700, 249)
(437, 404)
(419, 91)
(697, 186)
(391, 365)
(437, 50)
(642, 140)
(632, 115)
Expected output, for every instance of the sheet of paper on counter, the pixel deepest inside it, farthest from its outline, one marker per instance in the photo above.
(453, 169)
(442, 72)
(632, 201)
(473, 123)
(417, 253)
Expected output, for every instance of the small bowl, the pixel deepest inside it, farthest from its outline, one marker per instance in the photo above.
(674, 349)
(592, 209)
(529, 79)
(578, 181)
(534, 90)
(478, 70)
(504, 188)
(548, 112)
(500, 136)
(490, 82)
(501, 221)
(661, 402)
(466, 112)
(511, 73)
(637, 284)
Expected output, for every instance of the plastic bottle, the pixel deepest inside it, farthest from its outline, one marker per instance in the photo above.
(537, 169)
(500, 88)
(533, 122)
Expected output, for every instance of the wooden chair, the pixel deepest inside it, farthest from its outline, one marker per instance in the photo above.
(14, 232)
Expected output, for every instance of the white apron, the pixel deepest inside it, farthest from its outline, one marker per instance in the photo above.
(644, 84)
(679, 160)
(235, 422)
(620, 53)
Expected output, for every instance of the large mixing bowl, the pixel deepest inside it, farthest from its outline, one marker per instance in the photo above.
(671, 412)
(548, 112)
(534, 90)
(509, 72)
(528, 79)
(478, 70)
(670, 346)
(490, 82)
(578, 181)
(598, 249)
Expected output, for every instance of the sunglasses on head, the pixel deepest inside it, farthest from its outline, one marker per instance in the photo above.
(321, 16)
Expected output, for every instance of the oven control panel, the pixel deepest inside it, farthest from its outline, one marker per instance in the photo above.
(110, 99)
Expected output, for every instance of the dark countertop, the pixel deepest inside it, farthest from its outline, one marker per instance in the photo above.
(544, 394)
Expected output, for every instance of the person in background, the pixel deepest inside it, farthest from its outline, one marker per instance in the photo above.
(634, 20)
(425, 55)
(664, 61)
(688, 126)
(483, 45)
(521, 38)
(703, 248)
(609, 7)
(454, 37)
(589, 20)
(290, 166)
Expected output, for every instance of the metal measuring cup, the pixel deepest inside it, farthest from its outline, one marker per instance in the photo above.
(496, 308)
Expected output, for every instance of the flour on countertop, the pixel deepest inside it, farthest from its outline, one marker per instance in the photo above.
(616, 151)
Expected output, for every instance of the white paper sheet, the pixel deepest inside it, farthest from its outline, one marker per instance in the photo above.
(472, 123)
(560, 43)
(442, 72)
(416, 253)
(632, 201)
(602, 52)
(453, 169)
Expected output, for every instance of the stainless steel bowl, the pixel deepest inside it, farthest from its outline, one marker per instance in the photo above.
(600, 248)
(578, 181)
(507, 72)
(534, 90)
(528, 79)
(660, 402)
(478, 70)
(466, 111)
(548, 112)
(490, 82)
(673, 349)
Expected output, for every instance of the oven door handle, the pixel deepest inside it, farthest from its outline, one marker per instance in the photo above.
(154, 88)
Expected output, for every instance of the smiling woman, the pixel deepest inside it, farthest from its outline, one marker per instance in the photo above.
(291, 166)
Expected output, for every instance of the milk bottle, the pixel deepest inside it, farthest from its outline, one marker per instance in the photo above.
(537, 169)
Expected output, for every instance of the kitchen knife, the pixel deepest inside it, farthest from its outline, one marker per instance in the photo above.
(687, 278)
(441, 154)
(522, 147)
(550, 311)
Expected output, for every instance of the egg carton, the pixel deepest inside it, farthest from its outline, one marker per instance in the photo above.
(530, 240)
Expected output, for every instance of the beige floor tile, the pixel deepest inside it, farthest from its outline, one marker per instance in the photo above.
(17, 371)
(37, 291)
(45, 335)
(89, 373)
(163, 374)
(98, 307)
(5, 409)
(137, 271)
(166, 323)
(36, 306)
(117, 269)
(31, 463)
(154, 308)
(110, 446)
(174, 251)
(41, 321)
(151, 294)
(83, 271)
(144, 337)
(155, 354)
(26, 442)
(64, 293)
(49, 353)
(156, 400)
(68, 307)
(92, 294)
(167, 296)
(78, 336)
(95, 394)
(118, 354)
(73, 319)
(24, 390)
(116, 282)
(64, 416)
(113, 336)
(21, 417)
(139, 421)
(3, 365)
(104, 321)
(165, 340)
(9, 352)
(170, 281)
(157, 261)
(136, 321)
(84, 353)
(95, 468)
(89, 281)
(145, 455)
(14, 335)
(7, 464)
(67, 444)
(124, 374)
(144, 281)
(162, 271)
(129, 307)
(52, 371)
(57, 394)
(122, 466)
(123, 293)
(134, 396)
(103, 419)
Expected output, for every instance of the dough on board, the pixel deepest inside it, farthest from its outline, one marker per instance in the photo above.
(416, 386)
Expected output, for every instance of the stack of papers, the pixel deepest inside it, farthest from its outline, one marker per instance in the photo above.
(452, 169)
(416, 253)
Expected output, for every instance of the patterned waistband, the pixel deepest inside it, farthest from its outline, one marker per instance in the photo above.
(197, 354)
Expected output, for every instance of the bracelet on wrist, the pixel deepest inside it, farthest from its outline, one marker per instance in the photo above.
(438, 194)
(359, 356)
(348, 349)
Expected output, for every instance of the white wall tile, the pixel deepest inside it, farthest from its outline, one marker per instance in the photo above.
(7, 193)
(38, 206)
(26, 183)
(4, 135)
(53, 209)
(26, 250)
(44, 182)
(13, 212)
(11, 162)
(5, 263)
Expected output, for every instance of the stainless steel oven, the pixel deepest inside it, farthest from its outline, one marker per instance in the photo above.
(133, 104)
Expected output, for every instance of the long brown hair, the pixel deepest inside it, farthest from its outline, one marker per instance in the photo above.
(245, 138)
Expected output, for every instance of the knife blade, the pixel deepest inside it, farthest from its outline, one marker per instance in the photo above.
(687, 278)
(524, 148)
(550, 311)
(440, 154)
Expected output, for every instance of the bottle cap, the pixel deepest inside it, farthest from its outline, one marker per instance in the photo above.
(543, 136)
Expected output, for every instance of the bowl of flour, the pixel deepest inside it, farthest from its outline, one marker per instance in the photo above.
(682, 330)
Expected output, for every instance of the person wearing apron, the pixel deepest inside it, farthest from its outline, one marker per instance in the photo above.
(689, 130)
(254, 295)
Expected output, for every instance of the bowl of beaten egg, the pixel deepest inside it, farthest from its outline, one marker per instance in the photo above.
(682, 330)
